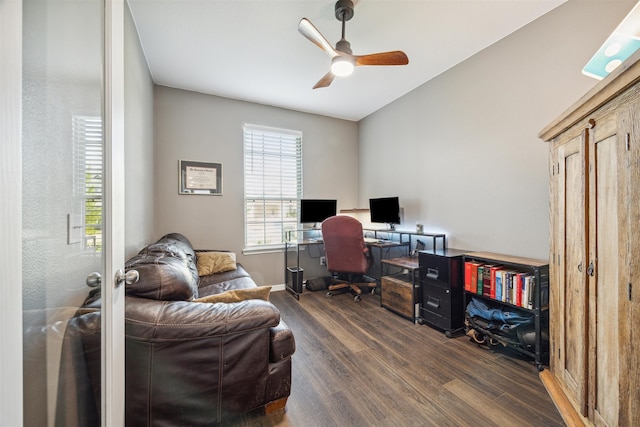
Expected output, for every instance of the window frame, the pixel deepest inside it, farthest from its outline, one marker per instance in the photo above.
(275, 146)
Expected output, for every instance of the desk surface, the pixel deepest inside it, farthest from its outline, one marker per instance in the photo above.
(305, 242)
(403, 262)
(398, 231)
(380, 243)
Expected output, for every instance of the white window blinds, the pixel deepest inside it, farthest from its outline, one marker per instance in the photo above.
(272, 184)
(87, 182)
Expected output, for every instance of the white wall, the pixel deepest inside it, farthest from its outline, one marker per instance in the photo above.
(139, 144)
(462, 151)
(199, 127)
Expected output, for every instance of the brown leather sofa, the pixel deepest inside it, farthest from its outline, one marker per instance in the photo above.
(191, 363)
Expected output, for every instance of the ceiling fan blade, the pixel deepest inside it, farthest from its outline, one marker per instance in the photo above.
(396, 57)
(325, 80)
(306, 28)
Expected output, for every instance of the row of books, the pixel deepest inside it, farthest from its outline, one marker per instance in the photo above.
(500, 283)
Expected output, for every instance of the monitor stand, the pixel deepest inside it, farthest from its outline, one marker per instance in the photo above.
(392, 227)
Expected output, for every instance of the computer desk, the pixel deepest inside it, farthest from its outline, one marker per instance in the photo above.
(382, 249)
(402, 233)
(294, 273)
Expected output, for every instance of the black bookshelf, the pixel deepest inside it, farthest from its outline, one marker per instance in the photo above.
(539, 269)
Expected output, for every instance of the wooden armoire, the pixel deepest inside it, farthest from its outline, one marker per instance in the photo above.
(594, 261)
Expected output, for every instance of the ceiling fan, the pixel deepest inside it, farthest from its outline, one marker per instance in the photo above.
(342, 60)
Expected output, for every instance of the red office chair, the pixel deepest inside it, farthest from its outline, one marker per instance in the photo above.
(347, 256)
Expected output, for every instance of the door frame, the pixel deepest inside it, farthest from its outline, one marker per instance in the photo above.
(11, 386)
(113, 381)
(11, 211)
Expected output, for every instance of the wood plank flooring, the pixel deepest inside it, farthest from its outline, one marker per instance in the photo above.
(357, 364)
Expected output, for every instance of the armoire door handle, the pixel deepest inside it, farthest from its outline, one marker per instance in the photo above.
(580, 267)
(590, 269)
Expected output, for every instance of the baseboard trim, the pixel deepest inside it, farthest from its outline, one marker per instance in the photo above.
(275, 288)
(564, 406)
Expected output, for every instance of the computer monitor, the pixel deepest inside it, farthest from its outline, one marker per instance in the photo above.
(316, 210)
(385, 210)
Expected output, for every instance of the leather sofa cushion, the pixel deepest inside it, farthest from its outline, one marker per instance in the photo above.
(167, 270)
(221, 282)
(179, 321)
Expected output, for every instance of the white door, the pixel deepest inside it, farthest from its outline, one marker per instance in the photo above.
(63, 152)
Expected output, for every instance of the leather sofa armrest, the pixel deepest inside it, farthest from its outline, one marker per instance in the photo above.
(183, 320)
(282, 343)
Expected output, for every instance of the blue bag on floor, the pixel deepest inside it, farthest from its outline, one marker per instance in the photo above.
(503, 318)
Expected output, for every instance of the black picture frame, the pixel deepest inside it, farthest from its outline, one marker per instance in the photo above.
(200, 178)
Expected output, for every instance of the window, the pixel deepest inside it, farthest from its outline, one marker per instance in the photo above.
(272, 184)
(87, 179)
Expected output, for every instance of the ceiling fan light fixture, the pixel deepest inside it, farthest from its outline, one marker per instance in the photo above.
(342, 59)
(341, 66)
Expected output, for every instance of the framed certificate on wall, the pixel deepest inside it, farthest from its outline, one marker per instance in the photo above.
(200, 178)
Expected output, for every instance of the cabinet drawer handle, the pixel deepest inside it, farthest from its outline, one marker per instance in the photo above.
(432, 273)
(435, 303)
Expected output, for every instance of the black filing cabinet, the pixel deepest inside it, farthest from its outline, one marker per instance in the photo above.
(442, 289)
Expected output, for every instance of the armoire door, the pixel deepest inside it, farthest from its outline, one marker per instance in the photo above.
(629, 272)
(607, 215)
(569, 308)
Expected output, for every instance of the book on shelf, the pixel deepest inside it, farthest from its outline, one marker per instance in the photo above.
(492, 279)
(517, 287)
(467, 275)
(499, 276)
(471, 276)
(529, 287)
(508, 296)
(480, 279)
(486, 280)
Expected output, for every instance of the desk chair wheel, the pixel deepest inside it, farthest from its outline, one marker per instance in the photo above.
(356, 298)
(329, 294)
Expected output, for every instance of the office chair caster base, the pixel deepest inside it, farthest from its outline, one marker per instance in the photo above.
(356, 298)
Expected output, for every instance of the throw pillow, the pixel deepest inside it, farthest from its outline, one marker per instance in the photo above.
(215, 262)
(237, 295)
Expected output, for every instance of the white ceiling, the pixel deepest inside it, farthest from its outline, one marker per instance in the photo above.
(251, 49)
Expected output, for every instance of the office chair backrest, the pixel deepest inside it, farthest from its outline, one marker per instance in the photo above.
(344, 245)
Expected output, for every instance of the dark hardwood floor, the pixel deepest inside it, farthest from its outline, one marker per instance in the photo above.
(357, 364)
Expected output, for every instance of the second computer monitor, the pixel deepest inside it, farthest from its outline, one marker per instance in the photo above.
(385, 210)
